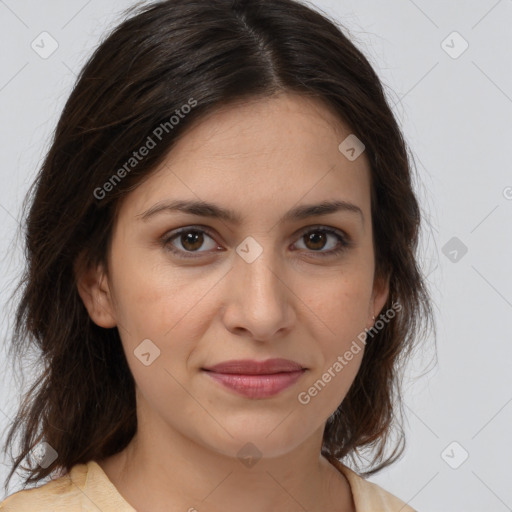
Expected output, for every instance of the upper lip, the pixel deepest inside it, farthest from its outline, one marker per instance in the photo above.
(252, 367)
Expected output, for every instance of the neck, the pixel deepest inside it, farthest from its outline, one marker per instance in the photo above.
(178, 473)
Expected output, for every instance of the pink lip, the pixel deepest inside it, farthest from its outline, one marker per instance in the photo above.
(255, 379)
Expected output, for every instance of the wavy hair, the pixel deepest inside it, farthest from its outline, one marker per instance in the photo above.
(82, 400)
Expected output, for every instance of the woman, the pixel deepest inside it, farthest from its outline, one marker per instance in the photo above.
(222, 271)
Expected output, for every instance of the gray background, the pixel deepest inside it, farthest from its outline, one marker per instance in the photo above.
(456, 116)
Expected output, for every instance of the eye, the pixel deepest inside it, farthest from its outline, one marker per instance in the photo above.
(317, 238)
(190, 239)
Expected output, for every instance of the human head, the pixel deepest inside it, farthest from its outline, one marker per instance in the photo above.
(205, 55)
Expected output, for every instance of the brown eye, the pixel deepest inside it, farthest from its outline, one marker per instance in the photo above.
(315, 240)
(319, 238)
(188, 240)
(191, 240)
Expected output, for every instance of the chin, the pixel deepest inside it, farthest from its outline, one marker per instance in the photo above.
(269, 439)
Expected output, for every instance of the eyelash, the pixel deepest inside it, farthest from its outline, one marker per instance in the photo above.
(166, 240)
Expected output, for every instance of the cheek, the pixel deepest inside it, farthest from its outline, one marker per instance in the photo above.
(342, 307)
(326, 389)
(159, 304)
(154, 299)
(341, 349)
(342, 303)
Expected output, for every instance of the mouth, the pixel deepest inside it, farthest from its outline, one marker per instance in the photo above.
(254, 379)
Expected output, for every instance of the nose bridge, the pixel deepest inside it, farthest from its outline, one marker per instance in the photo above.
(258, 269)
(260, 300)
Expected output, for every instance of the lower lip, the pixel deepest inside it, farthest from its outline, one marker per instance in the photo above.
(257, 386)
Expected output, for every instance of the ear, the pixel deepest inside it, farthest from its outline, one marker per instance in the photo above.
(93, 287)
(379, 297)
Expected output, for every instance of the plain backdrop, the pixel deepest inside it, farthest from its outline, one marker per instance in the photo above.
(446, 67)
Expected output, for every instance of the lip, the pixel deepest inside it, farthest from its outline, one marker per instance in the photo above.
(252, 367)
(256, 379)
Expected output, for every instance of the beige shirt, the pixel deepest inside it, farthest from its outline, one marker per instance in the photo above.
(86, 488)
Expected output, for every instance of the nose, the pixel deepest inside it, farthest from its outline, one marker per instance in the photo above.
(260, 302)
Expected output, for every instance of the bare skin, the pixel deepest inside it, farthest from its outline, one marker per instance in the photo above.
(259, 159)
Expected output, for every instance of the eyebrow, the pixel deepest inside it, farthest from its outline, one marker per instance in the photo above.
(205, 209)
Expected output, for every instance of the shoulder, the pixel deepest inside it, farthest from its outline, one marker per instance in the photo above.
(86, 488)
(369, 497)
(61, 493)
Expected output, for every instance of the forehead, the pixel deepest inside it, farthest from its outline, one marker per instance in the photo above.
(264, 127)
(282, 150)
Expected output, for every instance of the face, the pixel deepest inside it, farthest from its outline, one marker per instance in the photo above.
(203, 289)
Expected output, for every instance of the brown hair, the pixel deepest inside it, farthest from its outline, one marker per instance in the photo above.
(162, 56)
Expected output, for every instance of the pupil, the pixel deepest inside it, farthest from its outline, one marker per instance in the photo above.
(319, 237)
(189, 240)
